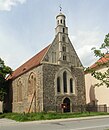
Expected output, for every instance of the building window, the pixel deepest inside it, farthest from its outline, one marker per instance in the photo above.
(64, 57)
(64, 48)
(58, 22)
(71, 85)
(61, 20)
(63, 30)
(65, 81)
(58, 84)
(64, 22)
(19, 91)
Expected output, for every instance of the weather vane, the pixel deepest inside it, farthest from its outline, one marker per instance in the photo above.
(60, 8)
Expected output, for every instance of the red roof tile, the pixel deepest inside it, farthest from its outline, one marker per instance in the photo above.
(33, 62)
(102, 60)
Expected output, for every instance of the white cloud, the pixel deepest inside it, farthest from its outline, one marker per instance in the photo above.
(84, 41)
(6, 5)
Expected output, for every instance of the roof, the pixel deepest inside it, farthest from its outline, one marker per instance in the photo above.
(33, 62)
(101, 61)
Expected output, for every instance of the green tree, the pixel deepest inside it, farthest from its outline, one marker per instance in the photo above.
(4, 71)
(102, 52)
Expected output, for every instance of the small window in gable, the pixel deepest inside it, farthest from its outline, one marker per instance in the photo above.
(64, 48)
(64, 57)
(63, 38)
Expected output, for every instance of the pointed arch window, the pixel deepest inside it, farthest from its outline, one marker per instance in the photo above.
(31, 84)
(71, 85)
(65, 81)
(58, 85)
(19, 91)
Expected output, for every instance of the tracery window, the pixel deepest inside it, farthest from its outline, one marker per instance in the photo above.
(65, 81)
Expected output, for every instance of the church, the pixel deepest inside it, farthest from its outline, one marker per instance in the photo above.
(52, 80)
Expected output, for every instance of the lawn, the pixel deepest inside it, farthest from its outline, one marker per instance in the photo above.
(47, 116)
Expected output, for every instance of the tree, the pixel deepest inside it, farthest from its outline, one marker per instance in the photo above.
(103, 53)
(4, 71)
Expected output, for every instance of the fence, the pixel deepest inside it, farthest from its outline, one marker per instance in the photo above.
(77, 108)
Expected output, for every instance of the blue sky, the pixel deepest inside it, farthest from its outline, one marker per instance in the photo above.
(27, 26)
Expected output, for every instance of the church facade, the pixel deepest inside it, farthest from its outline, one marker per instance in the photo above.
(52, 80)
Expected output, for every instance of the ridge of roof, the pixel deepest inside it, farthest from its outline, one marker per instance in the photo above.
(101, 61)
(31, 63)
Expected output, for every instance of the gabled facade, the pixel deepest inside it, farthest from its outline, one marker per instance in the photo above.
(51, 78)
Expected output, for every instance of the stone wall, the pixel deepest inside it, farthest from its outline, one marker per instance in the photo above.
(24, 105)
(52, 100)
(80, 84)
(49, 72)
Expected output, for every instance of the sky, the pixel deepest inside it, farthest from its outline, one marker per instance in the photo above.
(28, 26)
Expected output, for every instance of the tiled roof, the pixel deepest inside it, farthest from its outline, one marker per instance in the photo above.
(101, 61)
(33, 62)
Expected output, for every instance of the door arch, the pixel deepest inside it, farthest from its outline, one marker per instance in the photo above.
(67, 102)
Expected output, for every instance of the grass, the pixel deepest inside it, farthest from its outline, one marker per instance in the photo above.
(47, 116)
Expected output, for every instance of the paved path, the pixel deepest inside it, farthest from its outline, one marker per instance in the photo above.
(4, 122)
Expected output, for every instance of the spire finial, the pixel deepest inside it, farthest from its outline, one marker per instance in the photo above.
(60, 8)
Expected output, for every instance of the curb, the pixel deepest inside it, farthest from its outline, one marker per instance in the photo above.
(67, 119)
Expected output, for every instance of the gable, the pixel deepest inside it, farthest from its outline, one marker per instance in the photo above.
(57, 50)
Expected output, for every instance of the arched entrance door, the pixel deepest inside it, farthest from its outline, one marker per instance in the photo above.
(67, 102)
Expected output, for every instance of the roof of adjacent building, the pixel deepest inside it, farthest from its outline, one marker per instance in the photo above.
(101, 61)
(33, 62)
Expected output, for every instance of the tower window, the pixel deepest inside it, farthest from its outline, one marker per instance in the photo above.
(61, 20)
(58, 84)
(63, 30)
(65, 81)
(64, 22)
(58, 22)
(64, 57)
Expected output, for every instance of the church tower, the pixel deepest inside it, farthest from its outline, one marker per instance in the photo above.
(61, 51)
(62, 32)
